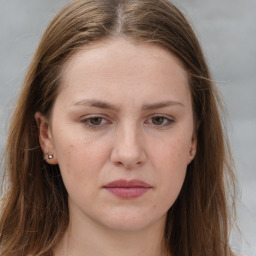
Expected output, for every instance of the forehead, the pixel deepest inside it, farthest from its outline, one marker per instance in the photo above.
(122, 67)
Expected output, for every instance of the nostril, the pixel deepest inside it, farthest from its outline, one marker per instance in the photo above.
(129, 166)
(138, 164)
(128, 155)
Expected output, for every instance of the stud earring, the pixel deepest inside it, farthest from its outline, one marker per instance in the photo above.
(50, 156)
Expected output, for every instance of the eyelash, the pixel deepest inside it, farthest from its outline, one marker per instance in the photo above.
(168, 121)
(87, 123)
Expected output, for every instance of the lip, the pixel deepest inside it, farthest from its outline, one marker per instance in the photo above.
(128, 189)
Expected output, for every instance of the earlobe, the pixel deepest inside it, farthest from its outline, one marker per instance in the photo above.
(45, 138)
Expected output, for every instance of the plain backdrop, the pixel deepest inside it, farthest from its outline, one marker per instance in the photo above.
(227, 32)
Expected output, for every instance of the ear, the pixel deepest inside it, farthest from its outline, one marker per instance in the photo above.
(45, 138)
(192, 149)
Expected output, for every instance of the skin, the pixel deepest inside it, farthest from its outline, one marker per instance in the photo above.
(153, 144)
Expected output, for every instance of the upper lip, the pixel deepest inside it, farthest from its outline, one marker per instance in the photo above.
(127, 184)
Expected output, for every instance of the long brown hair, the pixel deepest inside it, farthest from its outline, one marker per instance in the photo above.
(34, 212)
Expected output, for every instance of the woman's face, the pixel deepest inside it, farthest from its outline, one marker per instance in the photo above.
(121, 132)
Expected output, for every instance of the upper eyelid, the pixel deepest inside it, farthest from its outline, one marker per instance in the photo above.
(85, 117)
(171, 118)
(91, 126)
(169, 121)
(92, 117)
(105, 117)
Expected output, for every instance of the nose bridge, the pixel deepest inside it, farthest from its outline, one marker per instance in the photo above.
(128, 147)
(129, 136)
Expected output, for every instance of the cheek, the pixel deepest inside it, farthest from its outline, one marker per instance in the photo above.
(80, 160)
(171, 153)
(171, 158)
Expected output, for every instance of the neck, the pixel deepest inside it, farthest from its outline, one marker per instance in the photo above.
(84, 238)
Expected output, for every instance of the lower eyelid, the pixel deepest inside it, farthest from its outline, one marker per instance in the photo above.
(86, 122)
(168, 119)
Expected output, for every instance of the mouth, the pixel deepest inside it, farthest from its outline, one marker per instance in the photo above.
(128, 189)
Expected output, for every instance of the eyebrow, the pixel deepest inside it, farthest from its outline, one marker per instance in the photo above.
(97, 104)
(162, 104)
(106, 105)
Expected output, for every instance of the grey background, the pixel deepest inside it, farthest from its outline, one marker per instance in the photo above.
(227, 31)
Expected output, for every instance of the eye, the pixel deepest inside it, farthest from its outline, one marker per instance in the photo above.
(94, 121)
(160, 121)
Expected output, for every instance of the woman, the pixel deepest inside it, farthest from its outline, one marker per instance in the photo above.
(116, 145)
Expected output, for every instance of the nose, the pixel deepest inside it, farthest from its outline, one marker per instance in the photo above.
(128, 150)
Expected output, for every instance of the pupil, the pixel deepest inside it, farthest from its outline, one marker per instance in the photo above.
(96, 120)
(158, 120)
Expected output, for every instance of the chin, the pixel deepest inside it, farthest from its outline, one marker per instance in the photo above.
(128, 226)
(132, 222)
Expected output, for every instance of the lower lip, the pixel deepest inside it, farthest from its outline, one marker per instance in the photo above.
(128, 193)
